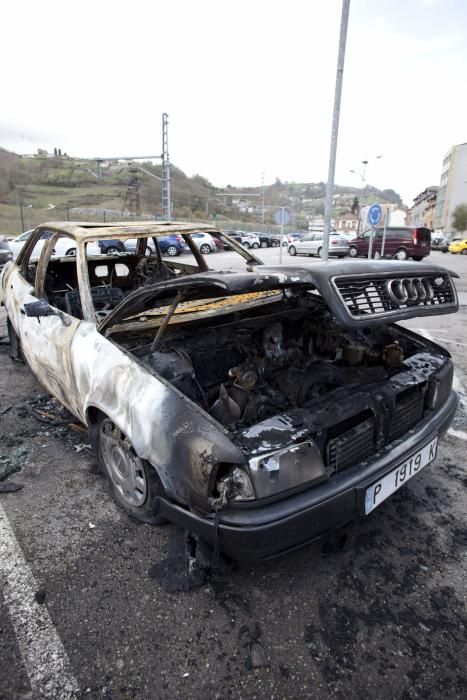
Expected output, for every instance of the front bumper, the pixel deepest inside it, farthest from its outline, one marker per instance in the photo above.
(258, 532)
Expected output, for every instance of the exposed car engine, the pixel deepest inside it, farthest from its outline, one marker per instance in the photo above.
(246, 371)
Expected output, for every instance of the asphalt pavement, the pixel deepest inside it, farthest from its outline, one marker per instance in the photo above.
(93, 605)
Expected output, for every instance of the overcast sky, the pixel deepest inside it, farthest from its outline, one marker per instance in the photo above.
(248, 85)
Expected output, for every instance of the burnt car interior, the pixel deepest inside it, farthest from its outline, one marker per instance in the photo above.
(111, 277)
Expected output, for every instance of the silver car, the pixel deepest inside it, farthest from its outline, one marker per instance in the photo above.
(312, 244)
(5, 252)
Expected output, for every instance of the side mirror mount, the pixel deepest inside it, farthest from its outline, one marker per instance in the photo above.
(38, 309)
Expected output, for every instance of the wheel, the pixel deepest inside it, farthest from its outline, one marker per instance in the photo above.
(205, 248)
(401, 254)
(148, 251)
(255, 245)
(320, 250)
(417, 258)
(16, 353)
(133, 483)
(274, 244)
(71, 251)
(353, 251)
(464, 252)
(246, 244)
(111, 250)
(264, 244)
(292, 250)
(172, 250)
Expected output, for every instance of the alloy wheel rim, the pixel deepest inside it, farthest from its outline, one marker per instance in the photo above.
(124, 467)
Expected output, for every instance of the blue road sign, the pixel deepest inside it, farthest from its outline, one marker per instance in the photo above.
(282, 216)
(374, 215)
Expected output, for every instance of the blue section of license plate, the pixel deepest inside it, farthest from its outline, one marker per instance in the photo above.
(380, 490)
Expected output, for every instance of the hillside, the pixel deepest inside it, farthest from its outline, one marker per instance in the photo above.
(44, 188)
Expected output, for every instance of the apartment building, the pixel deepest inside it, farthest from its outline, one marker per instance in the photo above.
(452, 187)
(423, 209)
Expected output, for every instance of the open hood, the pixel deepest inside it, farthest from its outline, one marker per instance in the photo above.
(358, 293)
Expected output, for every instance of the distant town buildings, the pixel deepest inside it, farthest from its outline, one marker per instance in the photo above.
(452, 187)
(348, 223)
(423, 209)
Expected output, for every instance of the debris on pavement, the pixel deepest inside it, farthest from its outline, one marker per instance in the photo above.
(10, 486)
(40, 596)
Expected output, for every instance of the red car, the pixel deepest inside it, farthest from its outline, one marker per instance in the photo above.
(218, 242)
(401, 242)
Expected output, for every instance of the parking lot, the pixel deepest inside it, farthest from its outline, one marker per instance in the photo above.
(94, 605)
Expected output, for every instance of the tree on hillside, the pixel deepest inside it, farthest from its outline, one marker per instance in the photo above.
(355, 208)
(459, 218)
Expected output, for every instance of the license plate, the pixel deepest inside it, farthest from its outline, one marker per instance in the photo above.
(380, 490)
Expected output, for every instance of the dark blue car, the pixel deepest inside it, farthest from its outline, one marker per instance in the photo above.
(169, 245)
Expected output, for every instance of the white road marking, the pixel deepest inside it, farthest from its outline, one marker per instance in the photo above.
(42, 651)
(461, 434)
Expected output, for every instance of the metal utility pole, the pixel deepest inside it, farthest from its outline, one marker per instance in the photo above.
(262, 198)
(166, 204)
(335, 126)
(132, 203)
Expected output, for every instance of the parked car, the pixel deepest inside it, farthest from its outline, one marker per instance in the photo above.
(205, 242)
(248, 240)
(5, 253)
(265, 240)
(219, 244)
(260, 239)
(439, 243)
(169, 245)
(111, 246)
(63, 245)
(295, 236)
(401, 242)
(458, 246)
(312, 244)
(239, 405)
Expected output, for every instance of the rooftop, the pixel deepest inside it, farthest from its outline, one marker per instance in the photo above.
(91, 230)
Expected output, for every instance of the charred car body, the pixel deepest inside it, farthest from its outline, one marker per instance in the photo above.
(259, 409)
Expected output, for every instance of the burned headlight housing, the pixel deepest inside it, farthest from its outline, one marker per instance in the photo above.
(231, 483)
(292, 467)
(439, 386)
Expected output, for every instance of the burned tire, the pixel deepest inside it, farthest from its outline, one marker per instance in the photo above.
(16, 353)
(133, 483)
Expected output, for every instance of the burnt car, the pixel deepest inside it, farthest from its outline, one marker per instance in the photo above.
(258, 408)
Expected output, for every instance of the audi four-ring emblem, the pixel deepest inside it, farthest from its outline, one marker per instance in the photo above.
(409, 290)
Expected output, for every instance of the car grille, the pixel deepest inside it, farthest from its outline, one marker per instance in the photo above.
(351, 446)
(370, 295)
(408, 411)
